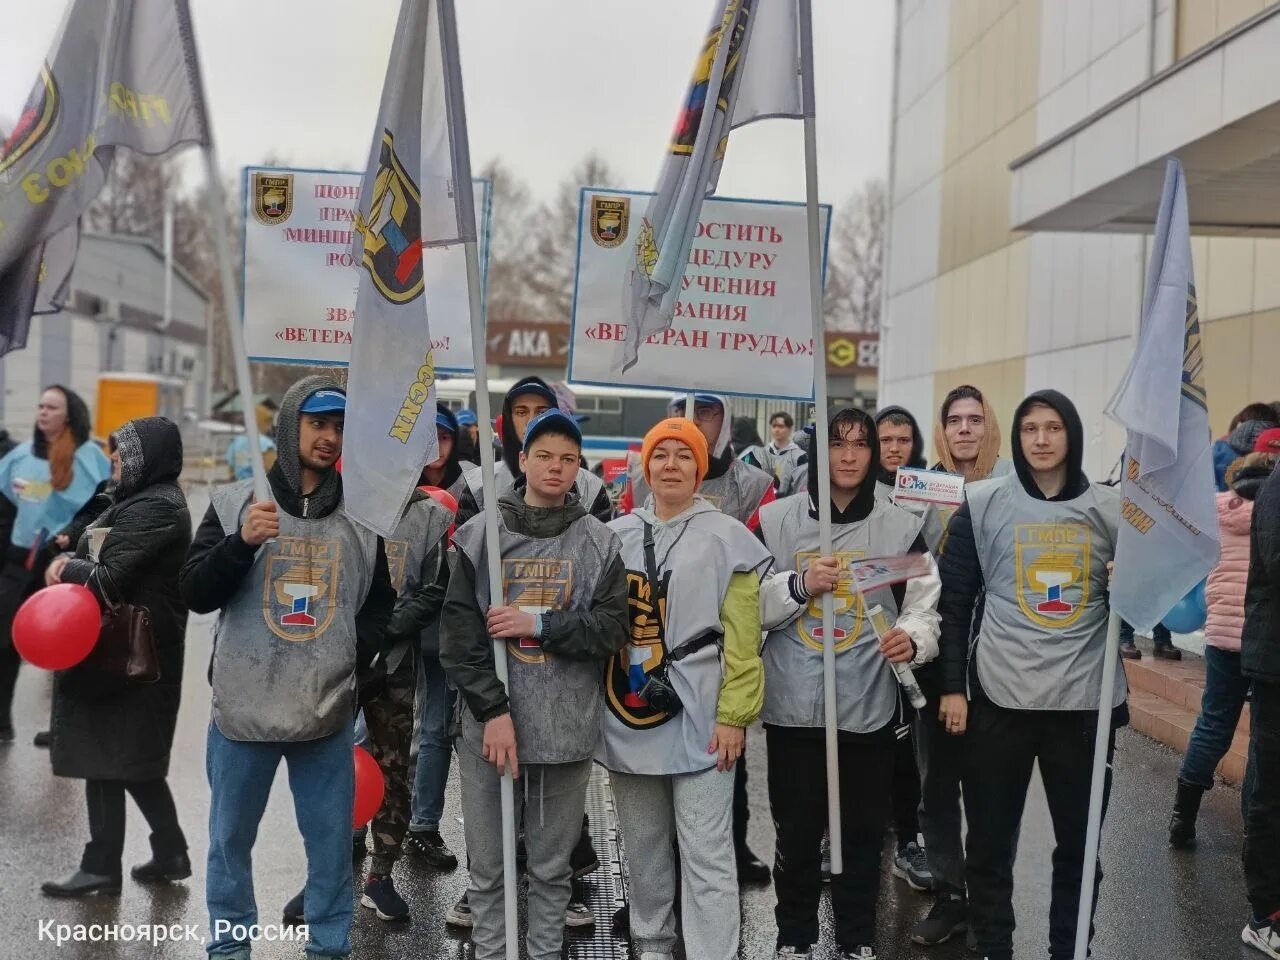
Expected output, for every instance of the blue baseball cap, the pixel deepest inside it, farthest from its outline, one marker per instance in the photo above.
(680, 398)
(325, 401)
(562, 422)
(467, 418)
(445, 419)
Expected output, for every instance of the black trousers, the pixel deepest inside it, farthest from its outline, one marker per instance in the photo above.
(741, 811)
(9, 664)
(1003, 745)
(798, 799)
(106, 822)
(906, 789)
(1262, 840)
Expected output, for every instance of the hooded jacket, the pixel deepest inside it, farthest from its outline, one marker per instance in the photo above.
(1225, 587)
(601, 507)
(453, 464)
(466, 649)
(217, 562)
(104, 728)
(962, 579)
(1260, 639)
(916, 460)
(988, 449)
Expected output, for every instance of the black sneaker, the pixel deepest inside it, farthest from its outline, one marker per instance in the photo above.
(948, 917)
(751, 869)
(584, 859)
(1129, 651)
(912, 865)
(292, 914)
(42, 739)
(459, 915)
(163, 869)
(380, 895)
(430, 846)
(1167, 651)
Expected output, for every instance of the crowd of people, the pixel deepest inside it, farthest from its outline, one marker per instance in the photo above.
(633, 634)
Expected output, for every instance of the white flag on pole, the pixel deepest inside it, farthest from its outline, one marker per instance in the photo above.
(738, 89)
(416, 194)
(1168, 539)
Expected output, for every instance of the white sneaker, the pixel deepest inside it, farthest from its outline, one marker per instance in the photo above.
(1265, 938)
(792, 953)
(654, 955)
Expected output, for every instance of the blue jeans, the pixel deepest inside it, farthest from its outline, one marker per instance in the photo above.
(322, 780)
(1225, 692)
(1160, 634)
(433, 746)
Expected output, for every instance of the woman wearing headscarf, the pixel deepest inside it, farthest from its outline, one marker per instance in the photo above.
(680, 696)
(43, 484)
(114, 734)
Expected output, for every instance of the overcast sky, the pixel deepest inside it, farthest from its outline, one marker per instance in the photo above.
(546, 82)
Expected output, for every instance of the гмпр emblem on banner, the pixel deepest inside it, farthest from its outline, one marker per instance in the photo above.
(609, 218)
(272, 198)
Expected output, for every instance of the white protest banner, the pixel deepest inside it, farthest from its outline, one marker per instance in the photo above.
(872, 573)
(741, 322)
(300, 280)
(917, 489)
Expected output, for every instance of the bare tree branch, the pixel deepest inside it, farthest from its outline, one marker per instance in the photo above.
(855, 261)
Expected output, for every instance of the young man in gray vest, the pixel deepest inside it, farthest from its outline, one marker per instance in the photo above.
(562, 611)
(525, 400)
(869, 711)
(294, 582)
(1037, 544)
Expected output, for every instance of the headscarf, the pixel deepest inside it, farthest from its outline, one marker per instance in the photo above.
(150, 451)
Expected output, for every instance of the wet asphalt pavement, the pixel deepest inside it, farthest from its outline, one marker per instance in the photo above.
(1156, 904)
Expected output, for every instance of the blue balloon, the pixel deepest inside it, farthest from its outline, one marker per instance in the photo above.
(1188, 614)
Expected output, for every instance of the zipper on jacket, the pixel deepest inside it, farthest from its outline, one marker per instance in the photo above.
(306, 502)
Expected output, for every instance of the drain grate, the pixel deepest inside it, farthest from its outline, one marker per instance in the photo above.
(605, 889)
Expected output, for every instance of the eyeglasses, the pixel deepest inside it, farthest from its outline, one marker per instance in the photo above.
(705, 414)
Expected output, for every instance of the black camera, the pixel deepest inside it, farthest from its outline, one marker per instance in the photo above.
(658, 691)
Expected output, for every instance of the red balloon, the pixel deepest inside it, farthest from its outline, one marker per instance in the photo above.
(370, 787)
(443, 497)
(337, 465)
(58, 626)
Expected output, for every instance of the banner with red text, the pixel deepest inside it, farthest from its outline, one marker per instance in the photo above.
(300, 280)
(742, 318)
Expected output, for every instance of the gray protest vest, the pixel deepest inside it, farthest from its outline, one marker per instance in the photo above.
(1001, 468)
(695, 573)
(865, 684)
(284, 647)
(586, 483)
(736, 492)
(1043, 636)
(932, 528)
(555, 702)
(423, 527)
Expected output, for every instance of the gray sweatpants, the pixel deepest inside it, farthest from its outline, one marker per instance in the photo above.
(557, 793)
(697, 810)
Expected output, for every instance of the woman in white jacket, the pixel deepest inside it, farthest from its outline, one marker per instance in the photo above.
(869, 712)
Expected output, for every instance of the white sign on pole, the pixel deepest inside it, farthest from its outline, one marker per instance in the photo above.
(741, 325)
(917, 489)
(300, 279)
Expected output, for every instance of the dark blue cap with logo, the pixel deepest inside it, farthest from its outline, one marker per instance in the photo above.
(549, 419)
(325, 401)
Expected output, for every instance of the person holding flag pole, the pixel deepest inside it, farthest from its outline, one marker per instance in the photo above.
(1168, 540)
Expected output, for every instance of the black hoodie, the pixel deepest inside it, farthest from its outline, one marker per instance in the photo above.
(217, 562)
(864, 500)
(1077, 483)
(962, 581)
(916, 459)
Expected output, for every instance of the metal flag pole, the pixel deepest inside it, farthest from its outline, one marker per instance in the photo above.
(819, 442)
(493, 552)
(231, 310)
(1093, 831)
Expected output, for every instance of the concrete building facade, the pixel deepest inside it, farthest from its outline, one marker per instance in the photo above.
(1026, 159)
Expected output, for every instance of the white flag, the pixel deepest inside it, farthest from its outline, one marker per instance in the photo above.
(1168, 538)
(748, 69)
(416, 194)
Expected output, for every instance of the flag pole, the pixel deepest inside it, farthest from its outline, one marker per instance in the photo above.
(493, 553)
(1093, 830)
(217, 202)
(819, 443)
